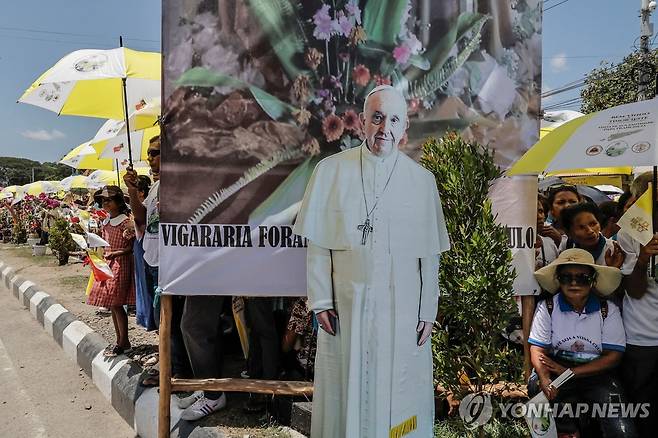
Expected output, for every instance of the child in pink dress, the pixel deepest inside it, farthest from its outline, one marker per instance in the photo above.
(118, 291)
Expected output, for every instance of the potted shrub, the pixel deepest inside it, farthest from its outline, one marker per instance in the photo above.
(60, 241)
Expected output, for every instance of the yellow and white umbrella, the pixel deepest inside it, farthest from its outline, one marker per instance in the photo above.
(38, 187)
(8, 192)
(625, 135)
(100, 178)
(117, 147)
(76, 182)
(85, 156)
(89, 83)
(145, 117)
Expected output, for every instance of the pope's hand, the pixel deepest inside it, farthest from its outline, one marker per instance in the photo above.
(424, 330)
(324, 319)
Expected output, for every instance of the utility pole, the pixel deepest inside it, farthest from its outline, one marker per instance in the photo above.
(645, 73)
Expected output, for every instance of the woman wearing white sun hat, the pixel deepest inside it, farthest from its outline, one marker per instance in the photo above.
(578, 328)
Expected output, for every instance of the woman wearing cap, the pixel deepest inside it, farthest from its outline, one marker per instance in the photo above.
(583, 226)
(119, 290)
(577, 329)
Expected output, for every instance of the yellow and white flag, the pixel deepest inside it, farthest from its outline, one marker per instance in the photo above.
(638, 220)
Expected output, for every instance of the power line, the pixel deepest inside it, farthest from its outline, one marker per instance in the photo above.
(25, 29)
(75, 43)
(555, 5)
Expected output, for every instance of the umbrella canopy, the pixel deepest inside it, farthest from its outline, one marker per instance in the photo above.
(85, 156)
(100, 178)
(117, 147)
(89, 83)
(38, 187)
(77, 182)
(624, 135)
(143, 118)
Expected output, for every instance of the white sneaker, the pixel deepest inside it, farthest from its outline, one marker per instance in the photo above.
(186, 402)
(203, 407)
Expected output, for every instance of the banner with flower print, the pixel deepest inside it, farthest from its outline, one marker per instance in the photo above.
(256, 92)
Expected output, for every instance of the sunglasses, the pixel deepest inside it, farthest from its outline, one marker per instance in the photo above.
(579, 279)
(153, 152)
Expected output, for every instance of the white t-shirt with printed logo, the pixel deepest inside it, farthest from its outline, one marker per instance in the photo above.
(577, 337)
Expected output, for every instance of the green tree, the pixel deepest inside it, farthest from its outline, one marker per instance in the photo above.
(614, 84)
(476, 275)
(18, 171)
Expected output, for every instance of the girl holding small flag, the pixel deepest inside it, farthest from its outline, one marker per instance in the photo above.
(119, 289)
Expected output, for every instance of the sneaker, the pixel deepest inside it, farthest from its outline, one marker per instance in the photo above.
(245, 374)
(203, 407)
(186, 402)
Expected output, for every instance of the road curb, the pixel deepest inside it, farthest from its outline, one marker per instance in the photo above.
(116, 378)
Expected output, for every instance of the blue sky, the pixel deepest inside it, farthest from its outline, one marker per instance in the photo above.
(34, 34)
(63, 26)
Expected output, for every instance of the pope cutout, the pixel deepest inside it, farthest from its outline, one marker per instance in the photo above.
(375, 230)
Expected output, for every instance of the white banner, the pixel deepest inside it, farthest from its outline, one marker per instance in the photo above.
(515, 204)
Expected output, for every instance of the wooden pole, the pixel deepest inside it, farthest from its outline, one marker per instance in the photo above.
(164, 408)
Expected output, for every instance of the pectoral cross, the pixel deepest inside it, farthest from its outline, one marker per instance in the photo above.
(365, 229)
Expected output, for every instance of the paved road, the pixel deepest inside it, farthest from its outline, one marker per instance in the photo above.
(43, 394)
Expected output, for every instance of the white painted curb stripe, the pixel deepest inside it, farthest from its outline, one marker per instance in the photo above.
(35, 300)
(72, 336)
(103, 370)
(50, 316)
(146, 413)
(24, 287)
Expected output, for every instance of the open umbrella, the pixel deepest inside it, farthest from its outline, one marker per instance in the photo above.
(98, 83)
(85, 156)
(624, 135)
(38, 187)
(76, 182)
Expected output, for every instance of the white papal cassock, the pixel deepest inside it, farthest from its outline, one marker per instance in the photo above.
(372, 377)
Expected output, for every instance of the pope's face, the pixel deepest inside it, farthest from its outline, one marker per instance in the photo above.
(384, 121)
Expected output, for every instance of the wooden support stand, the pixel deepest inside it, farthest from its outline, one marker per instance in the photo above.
(169, 385)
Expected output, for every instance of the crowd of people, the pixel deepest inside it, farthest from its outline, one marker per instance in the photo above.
(597, 313)
(280, 332)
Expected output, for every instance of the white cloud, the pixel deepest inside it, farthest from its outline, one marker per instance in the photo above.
(43, 135)
(559, 62)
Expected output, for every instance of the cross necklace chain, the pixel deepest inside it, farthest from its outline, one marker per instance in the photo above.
(366, 228)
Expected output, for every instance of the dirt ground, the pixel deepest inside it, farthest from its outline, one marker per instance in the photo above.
(67, 285)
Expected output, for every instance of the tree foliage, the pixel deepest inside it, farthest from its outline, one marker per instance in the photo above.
(476, 275)
(18, 171)
(614, 84)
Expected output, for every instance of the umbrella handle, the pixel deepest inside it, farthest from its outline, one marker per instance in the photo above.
(125, 112)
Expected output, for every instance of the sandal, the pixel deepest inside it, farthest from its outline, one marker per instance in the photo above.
(117, 350)
(152, 378)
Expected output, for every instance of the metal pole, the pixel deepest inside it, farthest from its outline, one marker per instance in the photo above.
(125, 112)
(645, 76)
(116, 165)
